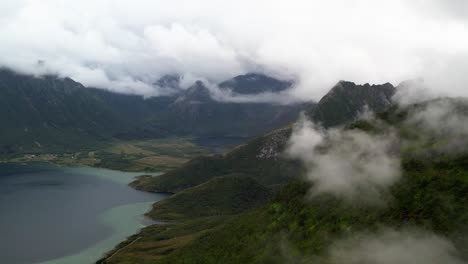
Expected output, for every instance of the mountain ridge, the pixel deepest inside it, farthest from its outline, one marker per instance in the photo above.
(52, 114)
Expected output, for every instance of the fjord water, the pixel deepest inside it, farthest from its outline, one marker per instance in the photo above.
(51, 214)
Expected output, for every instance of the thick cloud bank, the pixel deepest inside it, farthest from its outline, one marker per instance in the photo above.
(353, 165)
(127, 45)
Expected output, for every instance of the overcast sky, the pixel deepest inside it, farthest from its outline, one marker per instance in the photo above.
(127, 45)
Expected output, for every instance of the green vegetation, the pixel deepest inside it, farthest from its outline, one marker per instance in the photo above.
(430, 196)
(136, 155)
(226, 195)
(155, 242)
(150, 155)
(58, 115)
(260, 158)
(191, 214)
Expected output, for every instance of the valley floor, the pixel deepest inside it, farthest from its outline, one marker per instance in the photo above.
(137, 155)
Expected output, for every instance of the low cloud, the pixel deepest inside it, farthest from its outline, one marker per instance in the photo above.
(394, 247)
(443, 123)
(127, 45)
(413, 92)
(348, 164)
(282, 98)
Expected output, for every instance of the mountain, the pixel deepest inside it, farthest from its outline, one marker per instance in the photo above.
(255, 83)
(262, 157)
(426, 210)
(50, 114)
(226, 195)
(346, 100)
(56, 112)
(195, 112)
(171, 81)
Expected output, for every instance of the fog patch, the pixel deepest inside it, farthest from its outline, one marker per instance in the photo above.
(394, 247)
(281, 98)
(348, 164)
(412, 92)
(443, 121)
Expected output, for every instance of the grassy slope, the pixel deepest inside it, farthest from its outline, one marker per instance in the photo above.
(226, 195)
(197, 211)
(155, 242)
(432, 196)
(135, 155)
(259, 158)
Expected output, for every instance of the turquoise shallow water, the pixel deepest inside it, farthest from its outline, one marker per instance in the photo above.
(55, 215)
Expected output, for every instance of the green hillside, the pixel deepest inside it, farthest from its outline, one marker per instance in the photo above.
(259, 158)
(295, 227)
(226, 195)
(262, 157)
(49, 114)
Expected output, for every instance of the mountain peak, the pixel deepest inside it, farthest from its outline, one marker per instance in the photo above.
(255, 83)
(195, 94)
(347, 99)
(169, 81)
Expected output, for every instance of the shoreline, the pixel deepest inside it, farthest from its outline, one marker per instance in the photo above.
(124, 220)
(128, 215)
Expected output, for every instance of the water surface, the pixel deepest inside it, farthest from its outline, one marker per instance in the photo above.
(51, 214)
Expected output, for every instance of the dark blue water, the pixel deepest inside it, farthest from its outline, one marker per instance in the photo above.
(48, 212)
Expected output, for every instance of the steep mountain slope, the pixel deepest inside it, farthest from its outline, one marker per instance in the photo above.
(195, 112)
(422, 217)
(346, 100)
(226, 195)
(48, 110)
(262, 156)
(427, 204)
(430, 198)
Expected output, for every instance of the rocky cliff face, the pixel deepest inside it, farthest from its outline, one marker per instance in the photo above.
(346, 100)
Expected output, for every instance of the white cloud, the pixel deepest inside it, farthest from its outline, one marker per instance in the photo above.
(127, 45)
(394, 247)
(353, 165)
(441, 124)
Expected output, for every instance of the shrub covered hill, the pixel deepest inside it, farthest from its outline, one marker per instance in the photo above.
(421, 216)
(49, 114)
(295, 226)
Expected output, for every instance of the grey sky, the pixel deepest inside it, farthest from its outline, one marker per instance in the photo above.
(126, 45)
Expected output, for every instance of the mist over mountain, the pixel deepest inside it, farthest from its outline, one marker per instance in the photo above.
(263, 157)
(254, 84)
(346, 100)
(58, 114)
(324, 132)
(386, 188)
(103, 44)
